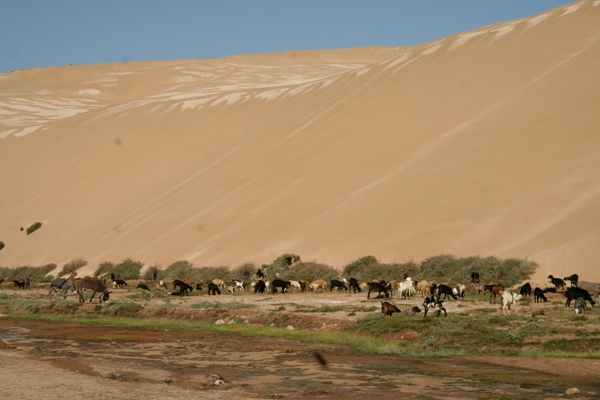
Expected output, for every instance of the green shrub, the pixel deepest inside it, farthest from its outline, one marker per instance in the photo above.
(34, 227)
(148, 275)
(71, 267)
(22, 272)
(104, 269)
(126, 269)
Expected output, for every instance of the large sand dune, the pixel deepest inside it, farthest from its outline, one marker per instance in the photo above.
(485, 142)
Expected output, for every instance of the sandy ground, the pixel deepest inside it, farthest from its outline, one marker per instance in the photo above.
(124, 363)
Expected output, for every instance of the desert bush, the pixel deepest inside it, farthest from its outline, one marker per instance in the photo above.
(308, 272)
(357, 266)
(22, 272)
(72, 266)
(179, 270)
(239, 272)
(34, 227)
(149, 273)
(126, 269)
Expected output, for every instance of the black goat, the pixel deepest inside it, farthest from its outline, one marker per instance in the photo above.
(354, 285)
(443, 290)
(474, 277)
(142, 286)
(213, 289)
(574, 279)
(260, 286)
(119, 283)
(557, 282)
(280, 283)
(379, 288)
(573, 293)
(538, 295)
(525, 290)
(337, 284)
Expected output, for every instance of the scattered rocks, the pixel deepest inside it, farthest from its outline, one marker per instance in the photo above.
(219, 322)
(116, 376)
(572, 391)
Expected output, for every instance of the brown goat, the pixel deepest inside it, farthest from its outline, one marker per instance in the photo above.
(388, 308)
(495, 290)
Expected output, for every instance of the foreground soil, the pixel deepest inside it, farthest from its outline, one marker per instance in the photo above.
(59, 359)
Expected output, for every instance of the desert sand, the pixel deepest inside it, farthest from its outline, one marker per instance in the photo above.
(481, 143)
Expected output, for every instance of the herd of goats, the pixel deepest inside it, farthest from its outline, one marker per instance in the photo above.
(433, 294)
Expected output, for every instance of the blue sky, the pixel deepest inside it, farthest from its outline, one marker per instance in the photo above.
(41, 33)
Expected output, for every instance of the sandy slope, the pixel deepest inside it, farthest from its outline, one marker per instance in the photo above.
(483, 142)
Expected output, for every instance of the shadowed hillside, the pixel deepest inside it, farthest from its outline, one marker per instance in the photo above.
(484, 142)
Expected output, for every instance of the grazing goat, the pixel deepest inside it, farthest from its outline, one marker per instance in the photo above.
(143, 287)
(379, 288)
(64, 285)
(434, 301)
(259, 286)
(119, 283)
(574, 293)
(213, 289)
(415, 310)
(388, 308)
(443, 290)
(478, 288)
(538, 295)
(280, 283)
(459, 290)
(318, 284)
(161, 285)
(220, 283)
(474, 277)
(296, 285)
(508, 299)
(579, 305)
(574, 279)
(93, 285)
(354, 286)
(198, 287)
(495, 290)
(338, 285)
(557, 282)
(525, 290)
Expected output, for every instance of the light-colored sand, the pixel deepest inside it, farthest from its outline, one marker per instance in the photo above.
(485, 142)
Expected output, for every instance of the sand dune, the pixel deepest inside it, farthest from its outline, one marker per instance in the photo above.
(484, 142)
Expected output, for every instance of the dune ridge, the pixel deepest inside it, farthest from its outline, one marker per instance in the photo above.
(484, 142)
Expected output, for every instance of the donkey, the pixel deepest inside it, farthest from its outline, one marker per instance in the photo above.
(64, 285)
(93, 285)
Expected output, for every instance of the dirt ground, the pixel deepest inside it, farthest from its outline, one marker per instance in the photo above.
(50, 358)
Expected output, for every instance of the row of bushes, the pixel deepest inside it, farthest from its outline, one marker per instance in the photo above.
(442, 268)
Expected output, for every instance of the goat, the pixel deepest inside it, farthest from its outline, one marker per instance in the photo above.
(459, 290)
(184, 288)
(574, 279)
(423, 288)
(580, 305)
(474, 277)
(443, 290)
(161, 285)
(388, 308)
(415, 310)
(19, 284)
(406, 288)
(318, 284)
(63, 285)
(119, 283)
(296, 285)
(280, 283)
(557, 282)
(538, 295)
(574, 293)
(525, 290)
(213, 289)
(495, 290)
(434, 301)
(238, 285)
(338, 285)
(93, 285)
(259, 286)
(507, 299)
(479, 288)
(220, 283)
(260, 274)
(354, 285)
(143, 287)
(379, 288)
(198, 287)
